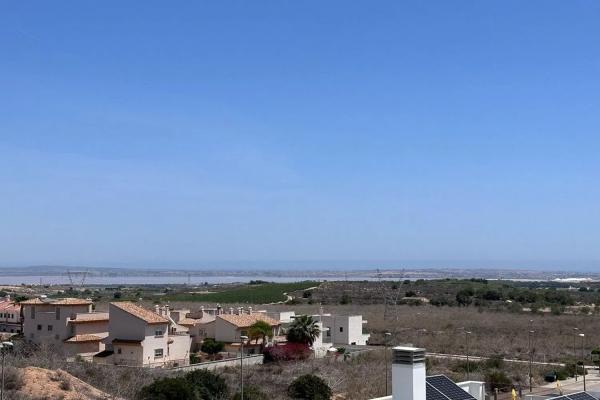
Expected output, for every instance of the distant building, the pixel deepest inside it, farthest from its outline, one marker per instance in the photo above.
(68, 324)
(343, 329)
(139, 337)
(10, 316)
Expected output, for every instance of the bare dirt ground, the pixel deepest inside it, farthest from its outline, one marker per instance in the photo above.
(39, 383)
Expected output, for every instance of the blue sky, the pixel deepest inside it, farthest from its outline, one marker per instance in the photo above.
(431, 133)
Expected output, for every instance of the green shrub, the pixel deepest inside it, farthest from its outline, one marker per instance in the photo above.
(207, 385)
(210, 346)
(252, 393)
(498, 380)
(309, 387)
(167, 389)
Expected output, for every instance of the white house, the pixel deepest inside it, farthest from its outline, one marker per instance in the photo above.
(343, 329)
(139, 337)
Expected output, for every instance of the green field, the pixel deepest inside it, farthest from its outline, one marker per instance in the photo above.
(252, 294)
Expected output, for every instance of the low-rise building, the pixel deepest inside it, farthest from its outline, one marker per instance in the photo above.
(10, 316)
(139, 337)
(343, 329)
(68, 324)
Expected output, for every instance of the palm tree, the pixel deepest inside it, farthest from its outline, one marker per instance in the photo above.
(303, 330)
(260, 330)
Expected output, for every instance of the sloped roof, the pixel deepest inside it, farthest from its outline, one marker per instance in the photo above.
(9, 306)
(139, 312)
(69, 301)
(83, 338)
(196, 321)
(90, 317)
(247, 320)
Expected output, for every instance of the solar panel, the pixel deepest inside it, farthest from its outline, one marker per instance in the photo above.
(432, 393)
(450, 389)
(559, 398)
(580, 396)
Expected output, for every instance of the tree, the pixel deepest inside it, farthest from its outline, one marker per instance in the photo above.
(207, 385)
(260, 330)
(304, 330)
(210, 346)
(167, 389)
(309, 387)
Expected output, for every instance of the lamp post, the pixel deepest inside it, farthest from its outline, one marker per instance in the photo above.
(531, 332)
(4, 347)
(574, 351)
(387, 365)
(582, 336)
(467, 333)
(242, 338)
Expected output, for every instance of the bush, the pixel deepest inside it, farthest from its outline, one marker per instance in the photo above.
(210, 346)
(207, 385)
(252, 393)
(346, 299)
(287, 352)
(13, 378)
(498, 380)
(167, 389)
(309, 387)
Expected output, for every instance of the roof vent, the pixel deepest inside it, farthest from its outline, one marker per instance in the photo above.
(408, 355)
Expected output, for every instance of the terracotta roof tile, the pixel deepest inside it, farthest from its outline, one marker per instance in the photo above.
(59, 302)
(246, 320)
(90, 317)
(83, 338)
(140, 312)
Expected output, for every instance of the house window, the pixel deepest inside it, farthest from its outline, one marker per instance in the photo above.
(158, 353)
(39, 327)
(158, 332)
(341, 329)
(49, 328)
(119, 350)
(32, 312)
(243, 333)
(328, 332)
(56, 336)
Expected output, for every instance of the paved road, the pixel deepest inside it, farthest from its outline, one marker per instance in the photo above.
(512, 360)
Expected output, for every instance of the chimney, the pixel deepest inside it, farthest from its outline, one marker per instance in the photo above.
(231, 310)
(408, 373)
(239, 311)
(249, 310)
(157, 309)
(167, 311)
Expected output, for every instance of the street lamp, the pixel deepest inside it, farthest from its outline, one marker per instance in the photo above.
(242, 338)
(4, 347)
(582, 336)
(574, 351)
(467, 333)
(531, 332)
(387, 366)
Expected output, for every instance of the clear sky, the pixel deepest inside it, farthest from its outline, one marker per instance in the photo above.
(175, 133)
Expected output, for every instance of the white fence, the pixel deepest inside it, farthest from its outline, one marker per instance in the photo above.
(228, 362)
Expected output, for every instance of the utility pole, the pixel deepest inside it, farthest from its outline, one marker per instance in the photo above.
(387, 364)
(242, 338)
(4, 347)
